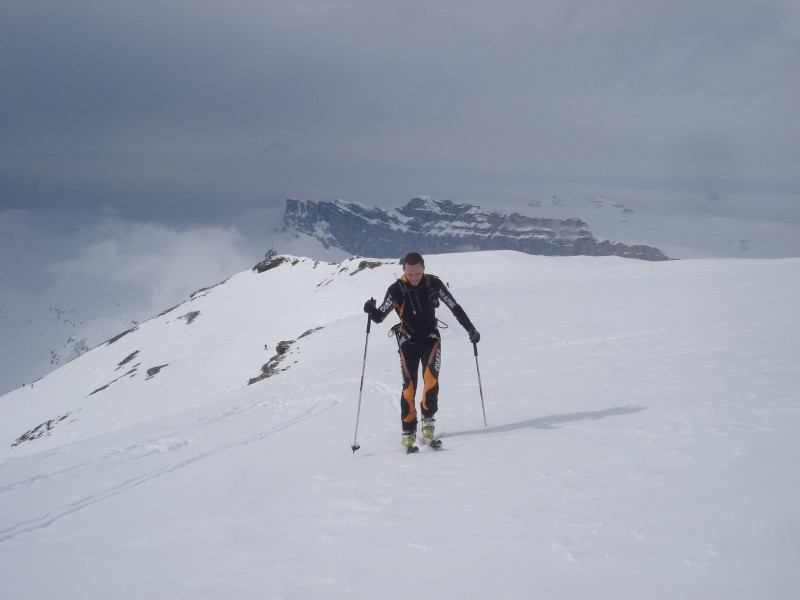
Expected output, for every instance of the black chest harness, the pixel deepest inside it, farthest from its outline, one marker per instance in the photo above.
(415, 299)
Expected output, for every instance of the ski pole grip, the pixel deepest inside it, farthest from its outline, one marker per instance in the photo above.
(475, 347)
(369, 317)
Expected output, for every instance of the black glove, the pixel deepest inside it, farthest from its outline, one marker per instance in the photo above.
(474, 336)
(370, 306)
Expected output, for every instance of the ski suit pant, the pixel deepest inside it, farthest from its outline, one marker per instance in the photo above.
(428, 354)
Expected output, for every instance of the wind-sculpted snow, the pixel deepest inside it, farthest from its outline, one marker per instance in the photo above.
(643, 426)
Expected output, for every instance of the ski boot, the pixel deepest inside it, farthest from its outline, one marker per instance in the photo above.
(410, 441)
(428, 428)
(429, 433)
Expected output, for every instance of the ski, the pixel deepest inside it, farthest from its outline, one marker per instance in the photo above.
(412, 449)
(434, 443)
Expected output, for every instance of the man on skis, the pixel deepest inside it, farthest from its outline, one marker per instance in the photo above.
(415, 297)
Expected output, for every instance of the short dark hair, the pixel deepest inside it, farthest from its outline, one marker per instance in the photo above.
(413, 258)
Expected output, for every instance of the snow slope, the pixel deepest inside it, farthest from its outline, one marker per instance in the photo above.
(91, 299)
(642, 442)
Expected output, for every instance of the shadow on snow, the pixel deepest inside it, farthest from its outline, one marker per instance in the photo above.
(553, 421)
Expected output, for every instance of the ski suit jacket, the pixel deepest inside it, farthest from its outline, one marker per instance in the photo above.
(416, 307)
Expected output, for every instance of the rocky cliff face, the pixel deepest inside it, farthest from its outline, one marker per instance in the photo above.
(439, 226)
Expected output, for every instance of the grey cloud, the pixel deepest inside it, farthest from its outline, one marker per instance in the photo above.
(170, 103)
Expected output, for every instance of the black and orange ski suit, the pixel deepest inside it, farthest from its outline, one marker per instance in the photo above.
(419, 340)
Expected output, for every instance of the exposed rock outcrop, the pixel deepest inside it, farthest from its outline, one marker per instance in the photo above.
(440, 226)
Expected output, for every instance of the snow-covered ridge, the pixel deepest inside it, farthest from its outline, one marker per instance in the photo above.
(643, 426)
(440, 226)
(201, 338)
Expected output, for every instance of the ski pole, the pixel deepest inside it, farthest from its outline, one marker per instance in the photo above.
(480, 386)
(355, 445)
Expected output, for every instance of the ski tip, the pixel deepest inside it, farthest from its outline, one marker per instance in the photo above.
(434, 443)
(412, 449)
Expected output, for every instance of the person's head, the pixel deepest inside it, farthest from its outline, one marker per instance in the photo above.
(413, 267)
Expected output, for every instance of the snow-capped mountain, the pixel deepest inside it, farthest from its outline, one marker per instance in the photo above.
(643, 425)
(441, 226)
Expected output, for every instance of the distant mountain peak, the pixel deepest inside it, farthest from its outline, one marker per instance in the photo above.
(440, 226)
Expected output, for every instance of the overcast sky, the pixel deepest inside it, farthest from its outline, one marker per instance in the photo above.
(204, 113)
(147, 147)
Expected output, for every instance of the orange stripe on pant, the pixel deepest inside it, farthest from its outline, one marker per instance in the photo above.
(427, 354)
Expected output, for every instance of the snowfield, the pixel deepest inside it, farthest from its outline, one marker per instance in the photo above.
(643, 441)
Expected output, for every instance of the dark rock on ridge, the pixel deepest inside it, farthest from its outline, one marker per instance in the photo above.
(440, 226)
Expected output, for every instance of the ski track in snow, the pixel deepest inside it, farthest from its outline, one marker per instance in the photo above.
(167, 441)
(134, 452)
(501, 315)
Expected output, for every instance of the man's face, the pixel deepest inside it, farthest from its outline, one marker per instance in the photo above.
(413, 273)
